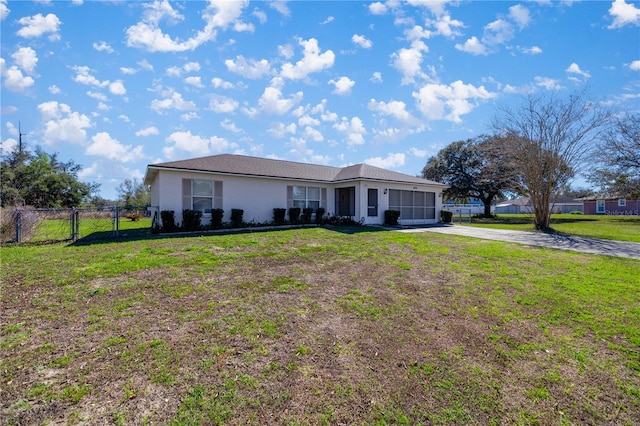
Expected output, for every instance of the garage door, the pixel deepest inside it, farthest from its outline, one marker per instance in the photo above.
(414, 206)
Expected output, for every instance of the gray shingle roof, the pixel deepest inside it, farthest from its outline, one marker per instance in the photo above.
(265, 167)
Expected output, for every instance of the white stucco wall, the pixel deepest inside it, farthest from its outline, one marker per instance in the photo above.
(256, 196)
(259, 196)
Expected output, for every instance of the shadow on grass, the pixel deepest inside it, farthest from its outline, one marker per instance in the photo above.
(107, 237)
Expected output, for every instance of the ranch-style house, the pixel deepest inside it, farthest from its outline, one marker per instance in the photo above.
(258, 185)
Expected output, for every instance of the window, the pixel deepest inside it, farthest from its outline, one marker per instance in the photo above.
(622, 202)
(600, 206)
(306, 197)
(413, 205)
(372, 202)
(201, 194)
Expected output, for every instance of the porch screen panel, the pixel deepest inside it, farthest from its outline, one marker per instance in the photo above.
(431, 205)
(419, 206)
(395, 198)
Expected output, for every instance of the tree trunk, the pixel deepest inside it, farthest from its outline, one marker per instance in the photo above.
(487, 209)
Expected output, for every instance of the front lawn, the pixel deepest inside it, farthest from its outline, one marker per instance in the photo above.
(318, 326)
(621, 228)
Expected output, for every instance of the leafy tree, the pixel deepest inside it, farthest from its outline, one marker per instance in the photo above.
(41, 180)
(546, 140)
(134, 193)
(473, 168)
(618, 155)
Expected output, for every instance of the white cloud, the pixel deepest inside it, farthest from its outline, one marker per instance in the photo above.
(343, 86)
(144, 64)
(191, 67)
(124, 118)
(62, 124)
(575, 69)
(97, 95)
(520, 15)
(280, 6)
(230, 126)
(194, 145)
(498, 32)
(396, 109)
(128, 71)
(4, 10)
(262, 16)
(219, 83)
(312, 61)
(223, 104)
(473, 46)
(14, 80)
(189, 116)
(444, 26)
(391, 161)
(249, 68)
(84, 77)
(353, 130)
(623, 13)
(174, 102)
(449, 102)
(148, 131)
(362, 41)
(37, 25)
(547, 83)
(272, 101)
(635, 65)
(377, 8)
(26, 58)
(286, 51)
(103, 46)
(409, 61)
(195, 81)
(307, 120)
(280, 130)
(104, 145)
(313, 134)
(534, 50)
(117, 88)
(148, 35)
(327, 21)
(376, 77)
(54, 90)
(418, 153)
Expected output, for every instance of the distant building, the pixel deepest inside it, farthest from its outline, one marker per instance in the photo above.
(610, 205)
(520, 205)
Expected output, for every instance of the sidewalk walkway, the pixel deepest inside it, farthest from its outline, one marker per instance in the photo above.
(581, 244)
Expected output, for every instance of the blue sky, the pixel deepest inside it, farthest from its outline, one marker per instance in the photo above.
(117, 85)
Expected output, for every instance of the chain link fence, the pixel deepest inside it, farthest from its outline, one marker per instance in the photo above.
(21, 225)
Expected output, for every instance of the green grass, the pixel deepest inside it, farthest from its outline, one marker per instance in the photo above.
(621, 228)
(315, 326)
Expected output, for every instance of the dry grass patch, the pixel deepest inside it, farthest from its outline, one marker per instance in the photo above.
(318, 327)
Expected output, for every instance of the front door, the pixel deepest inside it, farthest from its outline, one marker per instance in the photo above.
(346, 201)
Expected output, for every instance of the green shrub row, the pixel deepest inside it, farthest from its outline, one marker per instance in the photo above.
(192, 219)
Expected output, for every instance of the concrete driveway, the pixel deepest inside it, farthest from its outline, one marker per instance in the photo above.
(560, 242)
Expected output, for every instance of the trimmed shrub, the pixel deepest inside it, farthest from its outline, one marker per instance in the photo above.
(306, 215)
(391, 217)
(216, 218)
(294, 215)
(279, 216)
(446, 216)
(168, 218)
(236, 218)
(191, 219)
(320, 215)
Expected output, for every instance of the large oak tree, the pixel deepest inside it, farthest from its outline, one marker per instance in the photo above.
(472, 168)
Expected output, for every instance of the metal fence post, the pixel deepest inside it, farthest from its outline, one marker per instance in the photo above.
(18, 226)
(72, 221)
(117, 221)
